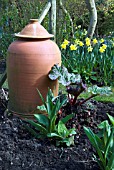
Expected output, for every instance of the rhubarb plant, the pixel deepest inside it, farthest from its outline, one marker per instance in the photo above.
(74, 85)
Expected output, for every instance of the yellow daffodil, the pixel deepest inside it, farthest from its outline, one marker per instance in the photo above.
(88, 43)
(66, 42)
(95, 41)
(81, 43)
(102, 40)
(89, 49)
(87, 39)
(73, 47)
(104, 46)
(63, 46)
(101, 50)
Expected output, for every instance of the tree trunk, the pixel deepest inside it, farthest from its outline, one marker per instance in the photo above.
(93, 17)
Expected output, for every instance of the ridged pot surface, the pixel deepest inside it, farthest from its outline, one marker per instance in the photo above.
(28, 64)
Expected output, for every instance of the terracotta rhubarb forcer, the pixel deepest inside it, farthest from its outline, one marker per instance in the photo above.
(29, 61)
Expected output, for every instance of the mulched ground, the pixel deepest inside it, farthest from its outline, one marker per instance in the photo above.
(20, 151)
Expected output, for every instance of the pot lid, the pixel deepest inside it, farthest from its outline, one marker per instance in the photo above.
(34, 30)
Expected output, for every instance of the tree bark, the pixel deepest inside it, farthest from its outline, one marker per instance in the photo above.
(93, 17)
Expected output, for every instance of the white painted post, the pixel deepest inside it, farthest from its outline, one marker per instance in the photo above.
(44, 12)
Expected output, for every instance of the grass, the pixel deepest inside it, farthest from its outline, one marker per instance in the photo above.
(85, 95)
(109, 98)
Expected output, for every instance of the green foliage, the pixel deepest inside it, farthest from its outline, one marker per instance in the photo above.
(80, 16)
(47, 124)
(74, 84)
(100, 98)
(63, 76)
(103, 142)
(92, 59)
(105, 10)
(15, 15)
(99, 90)
(76, 9)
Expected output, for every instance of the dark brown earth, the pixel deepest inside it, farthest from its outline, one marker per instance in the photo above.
(20, 151)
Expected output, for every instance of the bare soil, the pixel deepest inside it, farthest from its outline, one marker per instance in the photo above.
(19, 150)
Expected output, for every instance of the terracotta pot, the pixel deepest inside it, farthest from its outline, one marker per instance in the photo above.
(29, 61)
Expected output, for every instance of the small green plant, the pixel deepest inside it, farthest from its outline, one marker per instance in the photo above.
(103, 142)
(48, 126)
(74, 85)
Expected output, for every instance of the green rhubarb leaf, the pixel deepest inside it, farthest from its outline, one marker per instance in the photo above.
(55, 72)
(64, 77)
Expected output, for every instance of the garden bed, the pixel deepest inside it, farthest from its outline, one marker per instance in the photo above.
(20, 151)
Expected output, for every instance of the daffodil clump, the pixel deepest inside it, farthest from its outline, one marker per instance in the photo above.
(89, 49)
(81, 44)
(95, 41)
(85, 56)
(89, 44)
(80, 33)
(73, 47)
(64, 44)
(103, 48)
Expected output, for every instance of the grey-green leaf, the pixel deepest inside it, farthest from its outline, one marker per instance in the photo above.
(64, 77)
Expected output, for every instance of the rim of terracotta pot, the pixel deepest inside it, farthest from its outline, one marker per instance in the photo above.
(34, 30)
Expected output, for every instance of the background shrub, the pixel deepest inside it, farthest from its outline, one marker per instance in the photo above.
(15, 15)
